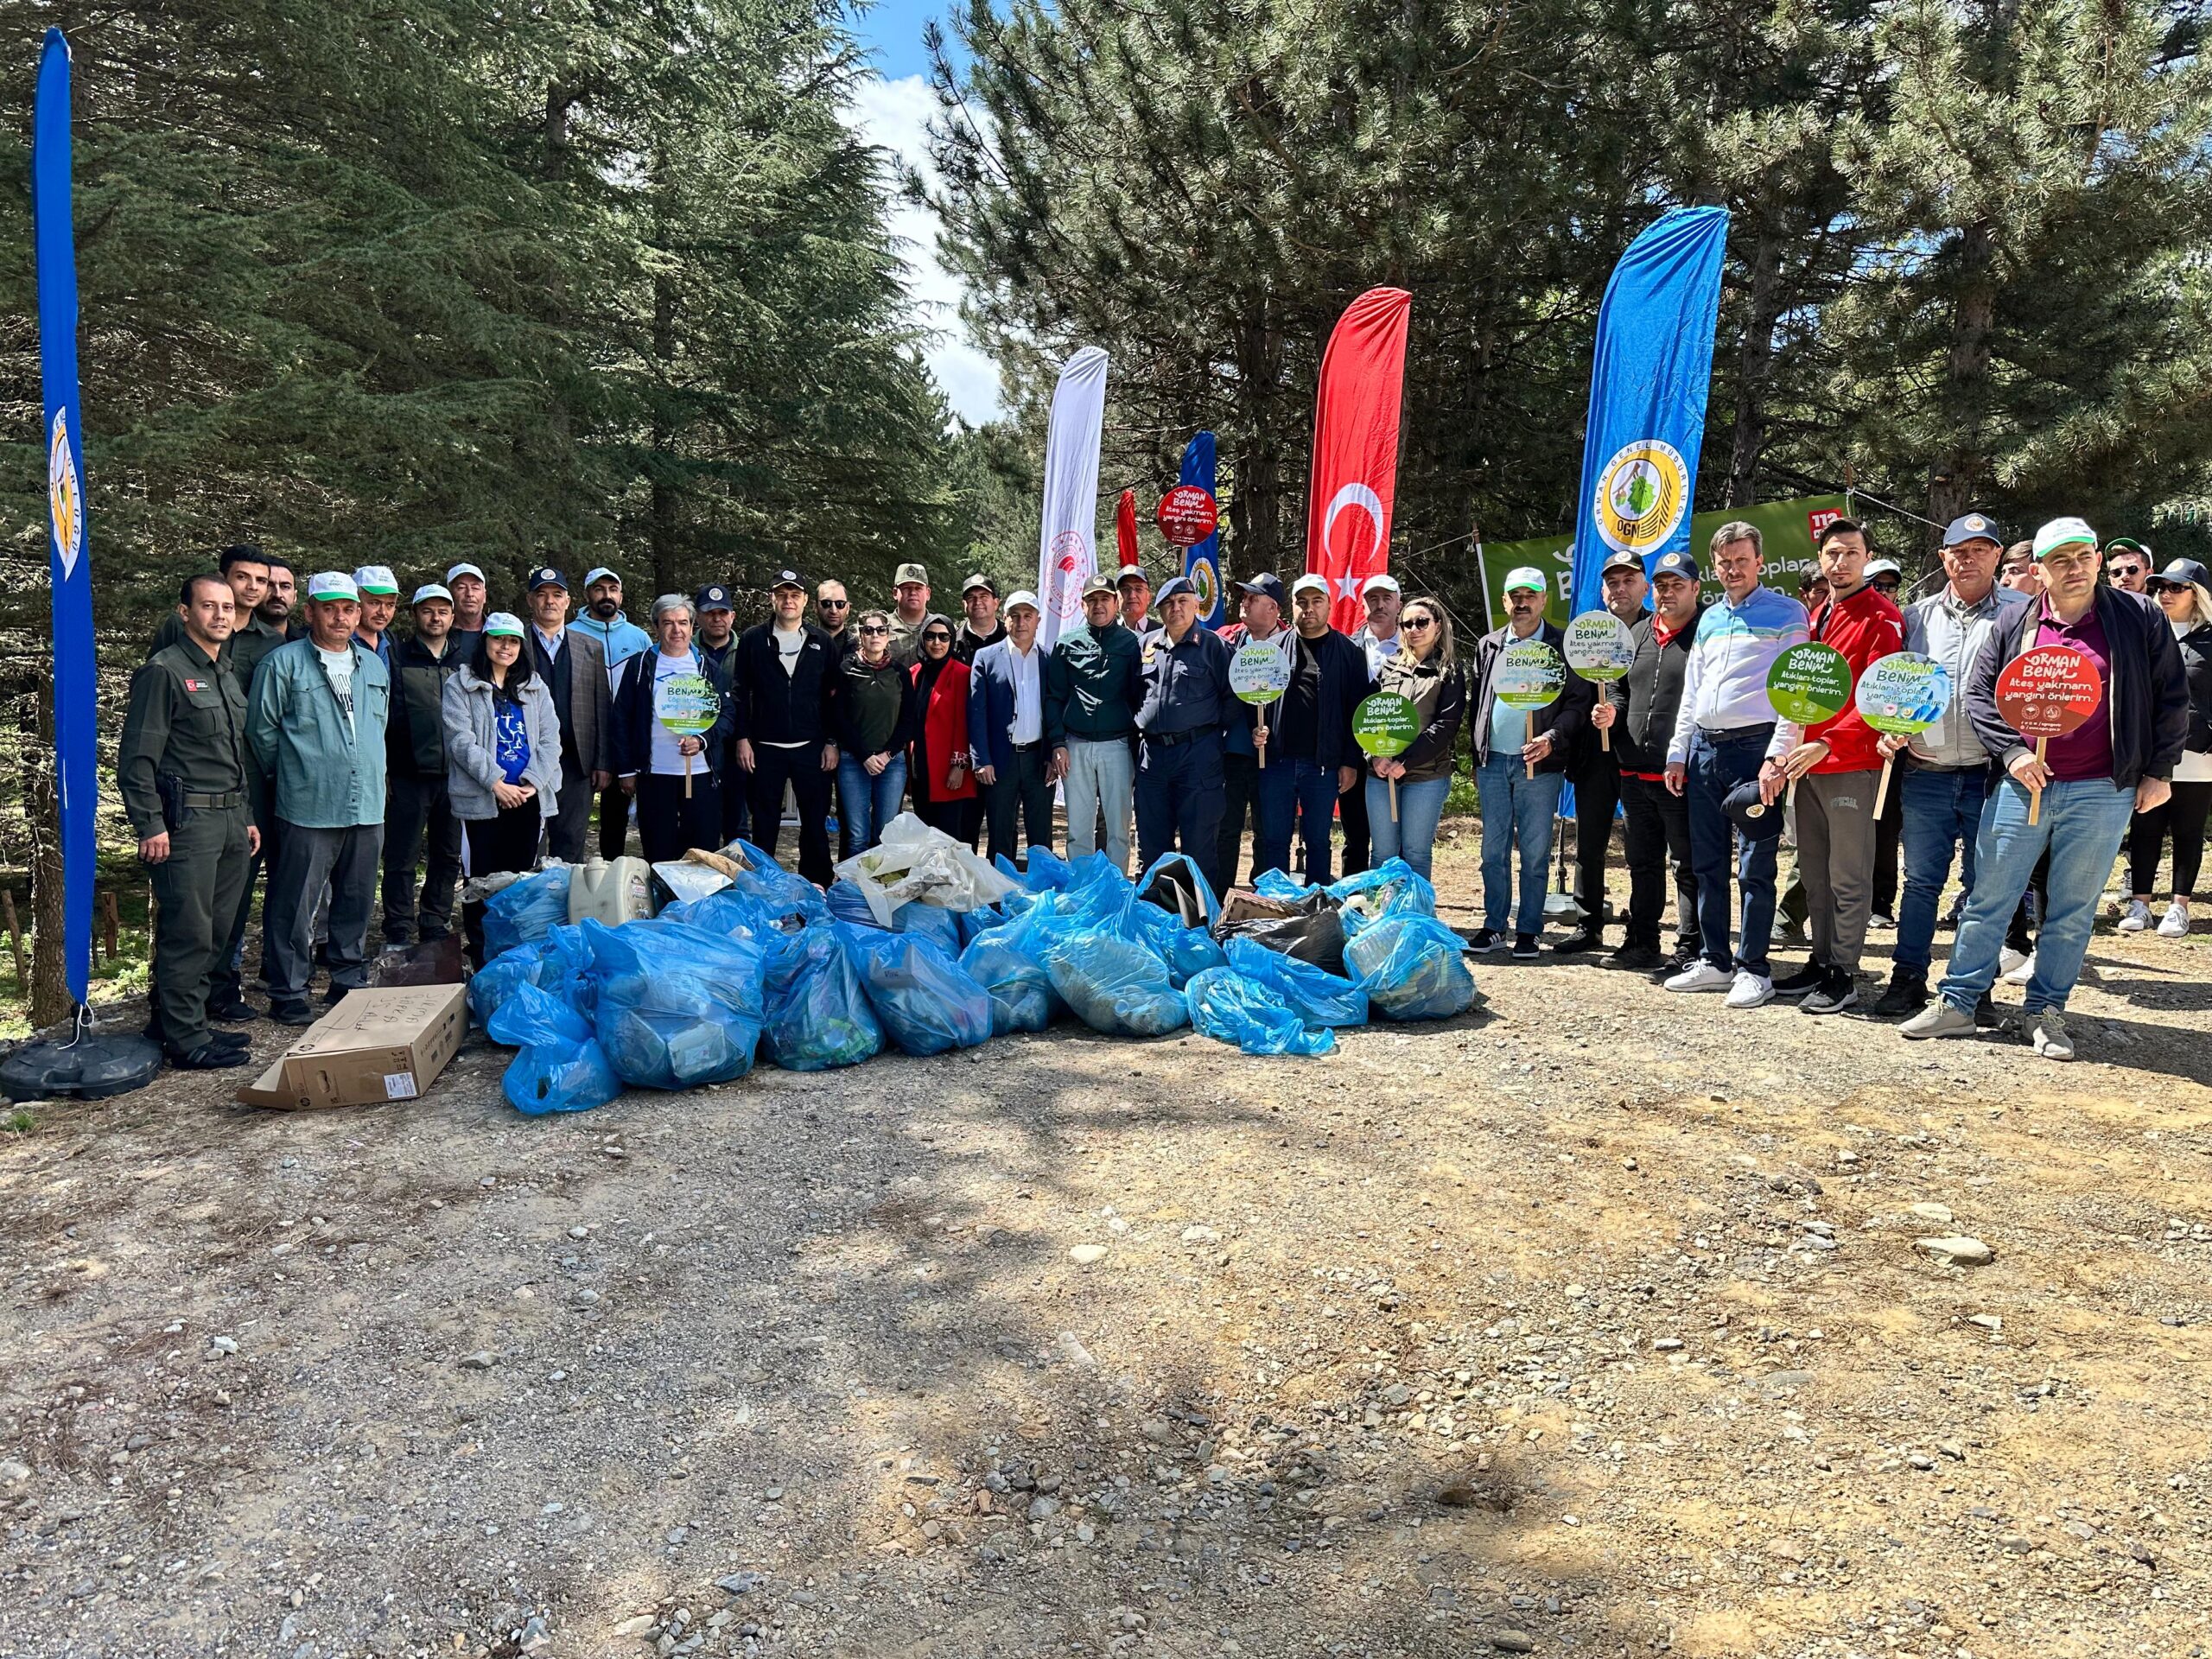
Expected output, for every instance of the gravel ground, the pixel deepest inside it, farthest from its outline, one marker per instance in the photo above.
(1592, 1323)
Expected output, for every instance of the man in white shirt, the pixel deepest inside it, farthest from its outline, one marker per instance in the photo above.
(1006, 734)
(1726, 736)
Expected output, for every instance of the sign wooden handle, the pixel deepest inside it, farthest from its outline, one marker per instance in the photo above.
(1605, 739)
(687, 774)
(1394, 800)
(2035, 795)
(1882, 789)
(1260, 744)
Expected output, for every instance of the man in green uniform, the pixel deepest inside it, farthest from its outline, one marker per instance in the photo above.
(182, 771)
(253, 636)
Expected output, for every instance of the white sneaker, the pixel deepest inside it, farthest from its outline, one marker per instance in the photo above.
(1701, 975)
(2007, 959)
(2021, 971)
(2174, 925)
(2049, 1036)
(1750, 989)
(2136, 918)
(1938, 1019)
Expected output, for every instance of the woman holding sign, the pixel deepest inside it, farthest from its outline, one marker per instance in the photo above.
(672, 728)
(2098, 671)
(503, 759)
(1425, 673)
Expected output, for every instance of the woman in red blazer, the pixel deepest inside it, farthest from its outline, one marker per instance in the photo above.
(937, 769)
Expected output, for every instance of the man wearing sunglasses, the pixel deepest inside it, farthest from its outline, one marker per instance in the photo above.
(833, 614)
(2127, 562)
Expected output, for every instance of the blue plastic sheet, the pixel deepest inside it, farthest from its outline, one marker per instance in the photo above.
(818, 1014)
(678, 1007)
(561, 1067)
(525, 909)
(1114, 984)
(1225, 1004)
(1316, 995)
(1412, 967)
(926, 1001)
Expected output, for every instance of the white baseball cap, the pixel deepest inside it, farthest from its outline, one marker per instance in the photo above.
(333, 584)
(1882, 567)
(1309, 583)
(1380, 585)
(503, 624)
(377, 579)
(1021, 597)
(431, 590)
(2063, 532)
(1526, 578)
(461, 570)
(600, 570)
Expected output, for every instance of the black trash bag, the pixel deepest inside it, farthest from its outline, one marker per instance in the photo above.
(1313, 931)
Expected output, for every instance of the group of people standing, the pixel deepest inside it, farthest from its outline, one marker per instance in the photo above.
(325, 749)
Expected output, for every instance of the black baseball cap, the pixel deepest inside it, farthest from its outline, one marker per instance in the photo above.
(1676, 563)
(1756, 819)
(788, 579)
(546, 576)
(713, 597)
(1266, 583)
(1622, 559)
(2183, 573)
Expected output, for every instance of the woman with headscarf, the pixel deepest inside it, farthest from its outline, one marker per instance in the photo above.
(2183, 590)
(944, 785)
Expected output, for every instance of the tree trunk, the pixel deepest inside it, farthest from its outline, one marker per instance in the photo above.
(1256, 511)
(1755, 370)
(661, 461)
(1957, 477)
(50, 1002)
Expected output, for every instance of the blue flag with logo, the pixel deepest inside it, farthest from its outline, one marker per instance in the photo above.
(1202, 562)
(1648, 385)
(76, 738)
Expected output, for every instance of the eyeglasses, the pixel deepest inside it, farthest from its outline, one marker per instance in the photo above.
(834, 604)
(873, 628)
(2127, 569)
(937, 638)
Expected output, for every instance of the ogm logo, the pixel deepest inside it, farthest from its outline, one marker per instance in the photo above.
(1203, 578)
(1071, 564)
(1641, 496)
(63, 503)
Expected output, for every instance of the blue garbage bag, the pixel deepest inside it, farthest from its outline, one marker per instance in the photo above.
(847, 903)
(759, 858)
(498, 979)
(567, 972)
(1274, 884)
(678, 1006)
(933, 922)
(927, 1003)
(1022, 998)
(726, 911)
(1391, 888)
(1226, 1006)
(976, 922)
(1094, 867)
(1186, 950)
(1315, 995)
(818, 1014)
(1412, 967)
(525, 909)
(780, 893)
(1114, 984)
(562, 1067)
(1180, 870)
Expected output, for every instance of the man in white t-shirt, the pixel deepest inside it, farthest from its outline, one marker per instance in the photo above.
(675, 773)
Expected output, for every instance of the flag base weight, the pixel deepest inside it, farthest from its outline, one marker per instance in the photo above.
(97, 1065)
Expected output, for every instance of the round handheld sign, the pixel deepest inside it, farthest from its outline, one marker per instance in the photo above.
(687, 704)
(1903, 693)
(1385, 725)
(2045, 693)
(1529, 675)
(1598, 647)
(1809, 683)
(1188, 515)
(1258, 673)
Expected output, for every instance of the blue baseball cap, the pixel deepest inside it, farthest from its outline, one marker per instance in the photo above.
(1676, 564)
(1173, 586)
(1266, 584)
(546, 576)
(713, 597)
(1972, 527)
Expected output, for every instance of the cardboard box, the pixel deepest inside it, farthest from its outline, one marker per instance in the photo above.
(375, 1046)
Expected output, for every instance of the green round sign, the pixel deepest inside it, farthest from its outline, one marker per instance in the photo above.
(1529, 675)
(1259, 673)
(1903, 693)
(1600, 647)
(1809, 683)
(687, 704)
(1385, 724)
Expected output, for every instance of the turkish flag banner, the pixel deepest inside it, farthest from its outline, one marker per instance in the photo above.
(1355, 474)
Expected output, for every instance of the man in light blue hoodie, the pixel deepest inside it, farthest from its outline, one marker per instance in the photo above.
(621, 640)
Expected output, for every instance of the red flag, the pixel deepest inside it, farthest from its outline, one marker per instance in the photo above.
(1355, 474)
(1125, 529)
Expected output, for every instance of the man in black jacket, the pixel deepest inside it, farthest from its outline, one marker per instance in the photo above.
(783, 686)
(1520, 762)
(2081, 788)
(416, 809)
(574, 667)
(1640, 710)
(1312, 759)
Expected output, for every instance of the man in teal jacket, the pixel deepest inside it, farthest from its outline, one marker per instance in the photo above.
(320, 705)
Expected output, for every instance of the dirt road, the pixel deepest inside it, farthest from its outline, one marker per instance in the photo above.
(1593, 1324)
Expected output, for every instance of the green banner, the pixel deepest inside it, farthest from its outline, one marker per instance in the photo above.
(1786, 529)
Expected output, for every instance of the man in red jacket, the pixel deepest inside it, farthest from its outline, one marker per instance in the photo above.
(1835, 796)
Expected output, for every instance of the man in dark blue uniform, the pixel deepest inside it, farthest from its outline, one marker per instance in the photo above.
(1187, 699)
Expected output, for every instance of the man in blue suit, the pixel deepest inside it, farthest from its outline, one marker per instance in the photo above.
(1005, 733)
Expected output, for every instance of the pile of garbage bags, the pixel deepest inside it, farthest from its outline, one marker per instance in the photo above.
(923, 946)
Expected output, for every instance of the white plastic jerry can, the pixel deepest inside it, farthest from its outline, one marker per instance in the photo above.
(611, 891)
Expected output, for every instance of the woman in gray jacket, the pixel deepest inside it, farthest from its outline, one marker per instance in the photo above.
(503, 758)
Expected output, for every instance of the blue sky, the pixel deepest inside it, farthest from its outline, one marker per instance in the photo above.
(895, 108)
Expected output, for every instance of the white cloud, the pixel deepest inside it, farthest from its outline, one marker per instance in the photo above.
(896, 114)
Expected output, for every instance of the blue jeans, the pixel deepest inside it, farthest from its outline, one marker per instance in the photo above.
(865, 805)
(2080, 825)
(1412, 838)
(1293, 794)
(1716, 765)
(1942, 811)
(1516, 808)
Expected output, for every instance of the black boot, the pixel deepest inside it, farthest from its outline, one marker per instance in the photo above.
(1907, 995)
